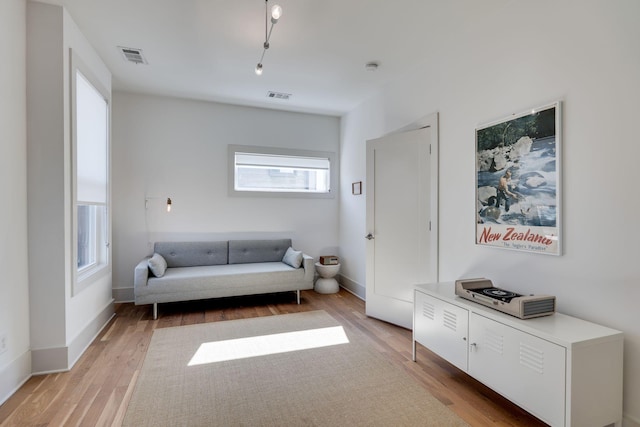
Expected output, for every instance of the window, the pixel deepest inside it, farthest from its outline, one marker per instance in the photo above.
(91, 178)
(87, 222)
(280, 172)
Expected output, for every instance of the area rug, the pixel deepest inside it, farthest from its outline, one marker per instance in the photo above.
(302, 369)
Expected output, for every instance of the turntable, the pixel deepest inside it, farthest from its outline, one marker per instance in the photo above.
(483, 292)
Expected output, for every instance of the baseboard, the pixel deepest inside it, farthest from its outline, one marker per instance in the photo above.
(62, 359)
(14, 375)
(123, 294)
(49, 360)
(83, 340)
(352, 286)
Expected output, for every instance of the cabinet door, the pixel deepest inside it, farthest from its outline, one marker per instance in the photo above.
(525, 369)
(442, 328)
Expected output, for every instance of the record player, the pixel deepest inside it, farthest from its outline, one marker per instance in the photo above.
(483, 292)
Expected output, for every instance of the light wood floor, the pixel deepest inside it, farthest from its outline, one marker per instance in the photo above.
(96, 391)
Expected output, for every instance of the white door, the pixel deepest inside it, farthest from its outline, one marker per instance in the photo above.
(401, 209)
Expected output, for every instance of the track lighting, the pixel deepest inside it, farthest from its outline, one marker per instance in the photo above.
(168, 204)
(276, 13)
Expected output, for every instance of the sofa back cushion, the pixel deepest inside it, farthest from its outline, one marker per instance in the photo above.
(189, 254)
(246, 251)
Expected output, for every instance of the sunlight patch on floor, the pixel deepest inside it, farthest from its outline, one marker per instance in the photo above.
(242, 348)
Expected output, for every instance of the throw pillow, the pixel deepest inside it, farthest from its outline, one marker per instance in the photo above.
(157, 265)
(293, 258)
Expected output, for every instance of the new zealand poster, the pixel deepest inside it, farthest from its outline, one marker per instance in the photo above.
(518, 182)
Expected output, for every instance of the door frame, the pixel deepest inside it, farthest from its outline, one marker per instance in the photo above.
(429, 121)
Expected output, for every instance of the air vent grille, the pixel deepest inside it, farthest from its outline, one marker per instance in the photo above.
(428, 310)
(132, 54)
(532, 358)
(544, 306)
(450, 320)
(278, 95)
(493, 341)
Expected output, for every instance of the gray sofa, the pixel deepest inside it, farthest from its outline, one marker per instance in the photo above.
(183, 271)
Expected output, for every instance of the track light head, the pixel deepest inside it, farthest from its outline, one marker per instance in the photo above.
(276, 13)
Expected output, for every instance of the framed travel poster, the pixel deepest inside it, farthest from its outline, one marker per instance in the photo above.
(518, 163)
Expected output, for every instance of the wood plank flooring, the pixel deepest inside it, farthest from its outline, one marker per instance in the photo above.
(98, 388)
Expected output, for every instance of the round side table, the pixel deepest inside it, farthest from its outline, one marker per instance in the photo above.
(326, 283)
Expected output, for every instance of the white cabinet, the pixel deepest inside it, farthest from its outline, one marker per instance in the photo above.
(444, 326)
(528, 370)
(563, 370)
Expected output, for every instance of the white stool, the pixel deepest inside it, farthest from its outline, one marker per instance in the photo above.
(326, 284)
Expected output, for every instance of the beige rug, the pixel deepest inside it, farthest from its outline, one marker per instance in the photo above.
(301, 369)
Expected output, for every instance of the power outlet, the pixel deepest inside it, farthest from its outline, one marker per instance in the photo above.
(4, 344)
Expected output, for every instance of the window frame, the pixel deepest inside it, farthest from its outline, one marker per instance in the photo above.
(84, 277)
(251, 149)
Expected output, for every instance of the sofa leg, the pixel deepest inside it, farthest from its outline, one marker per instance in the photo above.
(155, 311)
(298, 294)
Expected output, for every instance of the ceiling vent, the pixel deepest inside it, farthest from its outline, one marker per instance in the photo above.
(278, 95)
(132, 54)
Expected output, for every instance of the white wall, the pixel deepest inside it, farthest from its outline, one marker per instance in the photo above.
(62, 324)
(505, 57)
(88, 310)
(167, 147)
(15, 363)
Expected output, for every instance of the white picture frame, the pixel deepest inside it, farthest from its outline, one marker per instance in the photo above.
(518, 181)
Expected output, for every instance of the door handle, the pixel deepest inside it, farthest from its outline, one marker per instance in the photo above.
(369, 236)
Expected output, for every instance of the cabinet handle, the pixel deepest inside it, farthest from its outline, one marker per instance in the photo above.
(473, 346)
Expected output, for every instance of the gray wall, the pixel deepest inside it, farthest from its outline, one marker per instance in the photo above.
(167, 147)
(495, 58)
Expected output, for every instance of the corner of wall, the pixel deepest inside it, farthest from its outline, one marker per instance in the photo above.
(62, 359)
(123, 294)
(14, 375)
(628, 421)
(354, 287)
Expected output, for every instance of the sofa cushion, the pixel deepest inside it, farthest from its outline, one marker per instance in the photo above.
(249, 251)
(191, 254)
(293, 258)
(157, 265)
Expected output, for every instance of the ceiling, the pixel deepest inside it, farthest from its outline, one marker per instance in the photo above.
(208, 49)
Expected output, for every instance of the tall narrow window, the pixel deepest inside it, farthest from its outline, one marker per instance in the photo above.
(91, 176)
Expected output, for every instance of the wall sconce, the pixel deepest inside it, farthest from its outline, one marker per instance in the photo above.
(276, 13)
(148, 199)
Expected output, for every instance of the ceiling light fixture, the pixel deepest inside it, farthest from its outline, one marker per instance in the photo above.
(276, 13)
